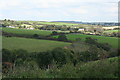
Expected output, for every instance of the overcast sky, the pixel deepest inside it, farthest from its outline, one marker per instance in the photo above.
(60, 10)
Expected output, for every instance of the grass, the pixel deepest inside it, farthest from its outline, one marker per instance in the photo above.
(113, 41)
(112, 31)
(57, 23)
(50, 23)
(31, 45)
(27, 32)
(30, 32)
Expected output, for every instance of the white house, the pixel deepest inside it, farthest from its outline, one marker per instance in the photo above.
(31, 28)
(10, 26)
(80, 29)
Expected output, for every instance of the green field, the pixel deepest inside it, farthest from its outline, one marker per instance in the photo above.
(49, 23)
(112, 31)
(57, 23)
(30, 32)
(27, 32)
(113, 41)
(31, 45)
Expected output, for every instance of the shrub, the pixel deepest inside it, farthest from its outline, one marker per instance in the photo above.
(44, 59)
(90, 40)
(6, 55)
(19, 56)
(62, 37)
(104, 46)
(35, 35)
(59, 56)
(54, 33)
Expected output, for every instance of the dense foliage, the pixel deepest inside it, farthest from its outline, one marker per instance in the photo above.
(63, 62)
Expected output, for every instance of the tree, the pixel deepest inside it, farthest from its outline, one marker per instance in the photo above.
(62, 37)
(19, 56)
(44, 59)
(104, 46)
(20, 26)
(59, 56)
(6, 55)
(5, 24)
(24, 26)
(8, 19)
(5, 20)
(35, 35)
(54, 33)
(90, 40)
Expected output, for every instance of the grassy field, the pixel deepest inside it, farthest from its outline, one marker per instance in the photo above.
(27, 32)
(112, 31)
(30, 32)
(113, 41)
(31, 44)
(57, 23)
(50, 23)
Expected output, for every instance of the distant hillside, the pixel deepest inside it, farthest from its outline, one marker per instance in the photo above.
(69, 22)
(92, 23)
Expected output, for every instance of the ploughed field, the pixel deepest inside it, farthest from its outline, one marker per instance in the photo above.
(31, 45)
(113, 41)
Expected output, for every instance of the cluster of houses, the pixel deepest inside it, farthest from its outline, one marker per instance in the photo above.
(86, 29)
(25, 28)
(11, 26)
(98, 29)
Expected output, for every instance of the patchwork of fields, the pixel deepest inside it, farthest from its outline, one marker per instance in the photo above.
(113, 41)
(49, 23)
(81, 60)
(31, 45)
(30, 32)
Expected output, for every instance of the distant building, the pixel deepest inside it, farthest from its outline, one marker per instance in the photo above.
(80, 29)
(30, 28)
(10, 26)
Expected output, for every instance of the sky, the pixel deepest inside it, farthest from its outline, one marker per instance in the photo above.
(60, 10)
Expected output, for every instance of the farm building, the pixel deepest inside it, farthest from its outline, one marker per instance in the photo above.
(10, 26)
(80, 29)
(30, 28)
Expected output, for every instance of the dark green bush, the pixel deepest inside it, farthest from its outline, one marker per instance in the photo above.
(62, 37)
(44, 59)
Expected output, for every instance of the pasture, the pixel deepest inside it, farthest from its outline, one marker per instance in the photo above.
(31, 45)
(112, 31)
(57, 23)
(113, 41)
(49, 23)
(27, 32)
(30, 32)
